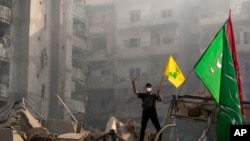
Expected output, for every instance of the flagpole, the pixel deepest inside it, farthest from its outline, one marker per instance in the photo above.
(184, 82)
(161, 81)
(176, 95)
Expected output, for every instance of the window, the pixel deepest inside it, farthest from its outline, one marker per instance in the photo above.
(135, 73)
(103, 18)
(247, 68)
(246, 37)
(99, 43)
(77, 57)
(79, 28)
(237, 8)
(43, 91)
(166, 13)
(125, 91)
(135, 15)
(168, 40)
(105, 72)
(135, 42)
(155, 38)
(4, 72)
(126, 43)
(237, 37)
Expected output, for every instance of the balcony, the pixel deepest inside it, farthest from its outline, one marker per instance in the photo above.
(3, 92)
(97, 29)
(5, 14)
(79, 43)
(146, 50)
(100, 82)
(210, 20)
(102, 54)
(144, 22)
(241, 17)
(99, 2)
(78, 74)
(79, 13)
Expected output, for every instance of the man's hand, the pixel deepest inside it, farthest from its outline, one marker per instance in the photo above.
(133, 81)
(134, 89)
(159, 95)
(158, 91)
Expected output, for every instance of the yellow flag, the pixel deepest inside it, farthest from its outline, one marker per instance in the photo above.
(173, 72)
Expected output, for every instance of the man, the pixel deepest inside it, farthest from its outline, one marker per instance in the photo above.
(148, 105)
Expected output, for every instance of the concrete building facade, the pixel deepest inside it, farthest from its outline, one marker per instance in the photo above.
(87, 52)
(41, 58)
(143, 34)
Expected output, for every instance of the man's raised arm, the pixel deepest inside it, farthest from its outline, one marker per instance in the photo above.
(134, 88)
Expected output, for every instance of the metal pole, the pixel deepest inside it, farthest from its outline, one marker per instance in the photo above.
(162, 129)
(65, 106)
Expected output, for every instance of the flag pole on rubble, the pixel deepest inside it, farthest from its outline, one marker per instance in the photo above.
(174, 75)
(216, 69)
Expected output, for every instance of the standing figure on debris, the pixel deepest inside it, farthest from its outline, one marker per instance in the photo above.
(148, 105)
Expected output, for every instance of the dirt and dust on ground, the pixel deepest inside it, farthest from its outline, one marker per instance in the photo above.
(19, 122)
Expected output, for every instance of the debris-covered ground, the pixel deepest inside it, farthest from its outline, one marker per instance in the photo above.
(19, 122)
(194, 115)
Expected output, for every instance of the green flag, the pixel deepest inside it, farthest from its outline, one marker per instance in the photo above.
(229, 104)
(218, 75)
(208, 67)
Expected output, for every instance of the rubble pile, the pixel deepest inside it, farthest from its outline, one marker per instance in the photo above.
(19, 122)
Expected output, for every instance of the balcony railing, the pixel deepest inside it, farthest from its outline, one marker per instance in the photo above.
(7, 3)
(78, 42)
(145, 21)
(99, 2)
(95, 82)
(96, 29)
(79, 13)
(145, 49)
(3, 91)
(5, 14)
(212, 20)
(78, 74)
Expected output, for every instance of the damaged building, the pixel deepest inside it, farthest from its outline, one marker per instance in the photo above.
(88, 51)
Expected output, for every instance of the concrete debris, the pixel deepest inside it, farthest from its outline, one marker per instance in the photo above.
(19, 122)
(197, 104)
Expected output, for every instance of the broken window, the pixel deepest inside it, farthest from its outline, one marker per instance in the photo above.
(99, 43)
(4, 72)
(78, 57)
(166, 13)
(79, 28)
(135, 15)
(135, 42)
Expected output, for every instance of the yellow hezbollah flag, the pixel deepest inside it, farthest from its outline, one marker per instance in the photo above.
(173, 72)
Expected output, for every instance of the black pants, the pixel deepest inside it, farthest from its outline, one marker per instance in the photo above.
(149, 114)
